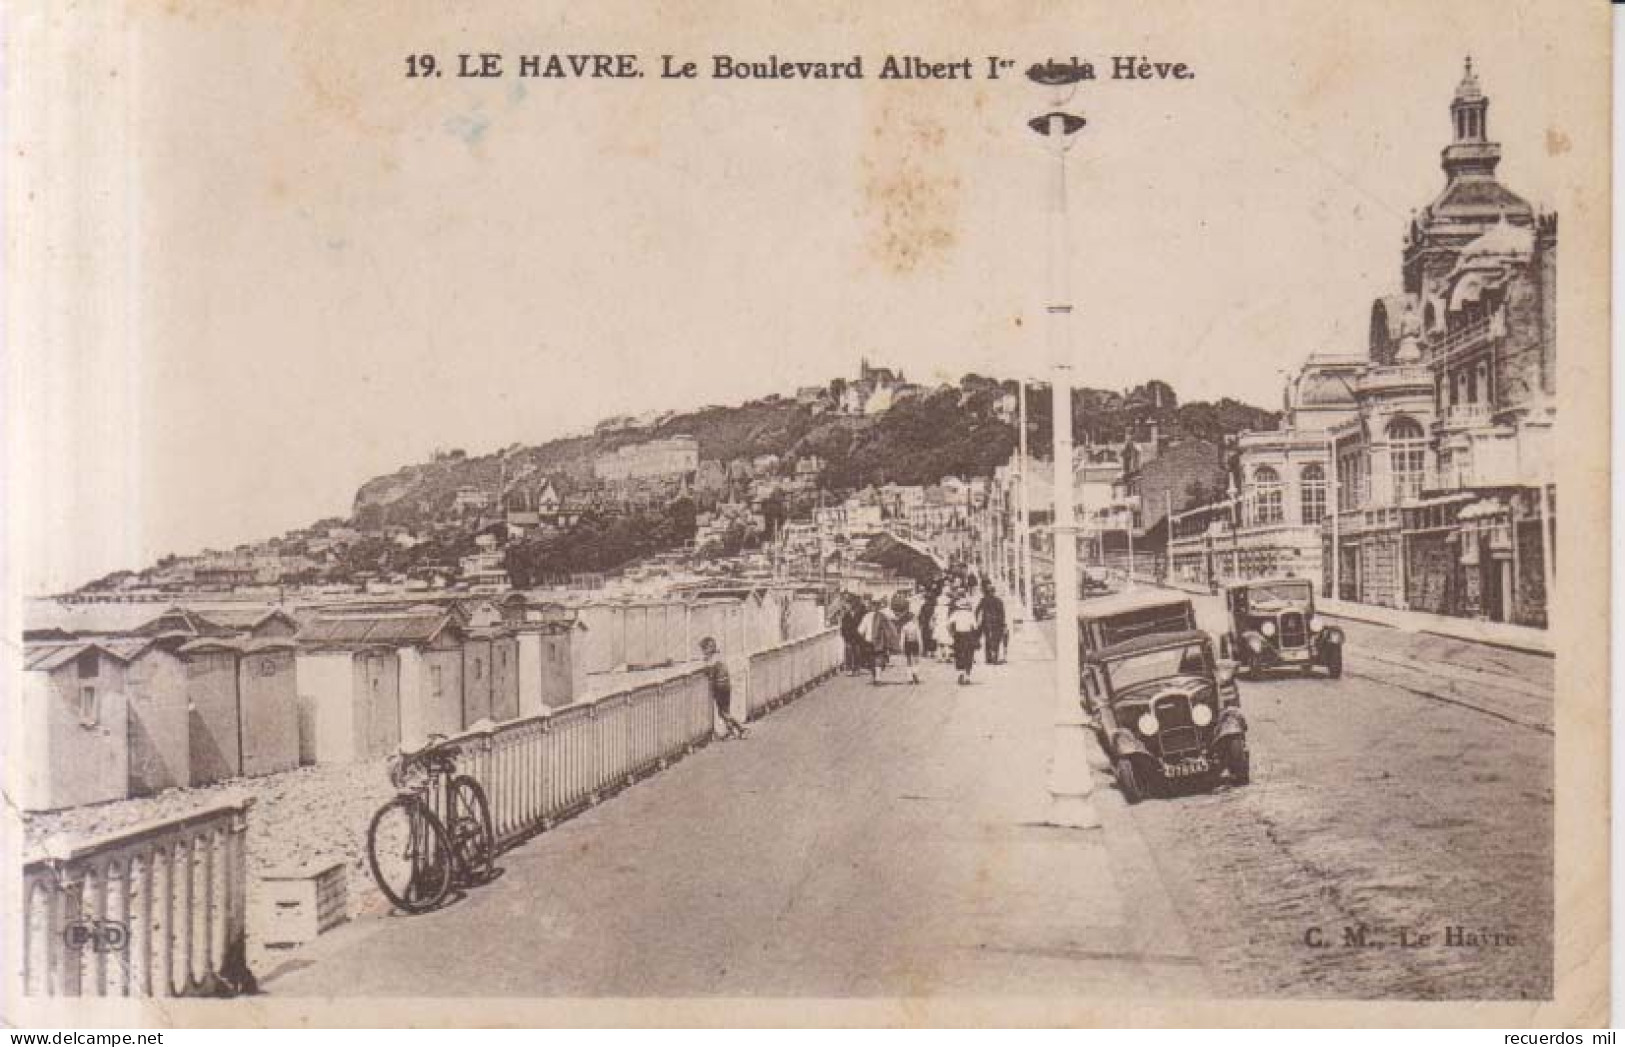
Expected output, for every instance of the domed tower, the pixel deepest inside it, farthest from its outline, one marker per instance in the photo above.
(1471, 202)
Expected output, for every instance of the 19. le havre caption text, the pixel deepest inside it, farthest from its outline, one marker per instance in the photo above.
(495, 65)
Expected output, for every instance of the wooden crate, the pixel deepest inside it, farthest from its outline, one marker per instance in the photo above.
(297, 905)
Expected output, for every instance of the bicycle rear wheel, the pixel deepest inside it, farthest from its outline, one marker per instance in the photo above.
(410, 855)
(469, 823)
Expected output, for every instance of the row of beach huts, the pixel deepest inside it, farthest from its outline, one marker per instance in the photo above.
(119, 701)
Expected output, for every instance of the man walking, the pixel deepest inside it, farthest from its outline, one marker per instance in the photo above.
(851, 619)
(990, 618)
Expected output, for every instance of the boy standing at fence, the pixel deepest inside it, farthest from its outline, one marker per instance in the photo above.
(721, 688)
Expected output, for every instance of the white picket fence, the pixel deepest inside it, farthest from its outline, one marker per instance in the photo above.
(540, 769)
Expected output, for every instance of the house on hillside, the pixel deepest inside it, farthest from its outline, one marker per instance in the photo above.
(814, 396)
(711, 479)
(874, 391)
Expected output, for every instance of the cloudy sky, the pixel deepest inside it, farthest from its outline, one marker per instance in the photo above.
(271, 266)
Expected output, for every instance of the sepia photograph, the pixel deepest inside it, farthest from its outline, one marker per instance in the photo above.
(1044, 513)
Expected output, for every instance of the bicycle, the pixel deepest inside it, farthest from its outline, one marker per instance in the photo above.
(436, 832)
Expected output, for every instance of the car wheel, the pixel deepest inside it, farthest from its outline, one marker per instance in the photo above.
(1334, 662)
(1239, 762)
(1127, 782)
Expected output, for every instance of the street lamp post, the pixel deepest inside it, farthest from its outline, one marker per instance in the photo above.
(1070, 780)
(1024, 562)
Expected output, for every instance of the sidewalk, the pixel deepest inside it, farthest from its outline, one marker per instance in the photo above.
(1497, 634)
(865, 841)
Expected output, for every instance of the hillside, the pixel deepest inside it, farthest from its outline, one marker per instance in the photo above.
(963, 430)
(951, 430)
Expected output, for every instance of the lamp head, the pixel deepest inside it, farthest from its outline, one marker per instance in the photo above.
(1070, 123)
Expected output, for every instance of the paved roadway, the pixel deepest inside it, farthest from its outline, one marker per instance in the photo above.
(886, 842)
(1415, 793)
(864, 841)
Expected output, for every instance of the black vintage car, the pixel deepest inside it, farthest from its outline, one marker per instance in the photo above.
(1106, 620)
(1167, 713)
(1273, 624)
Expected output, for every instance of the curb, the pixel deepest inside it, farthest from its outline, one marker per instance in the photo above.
(1504, 645)
(1376, 618)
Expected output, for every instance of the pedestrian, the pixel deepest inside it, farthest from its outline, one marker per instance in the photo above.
(962, 628)
(912, 645)
(721, 688)
(881, 637)
(927, 624)
(851, 618)
(939, 625)
(994, 625)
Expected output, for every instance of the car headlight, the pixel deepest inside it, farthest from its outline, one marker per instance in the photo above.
(1268, 629)
(1334, 637)
(1256, 644)
(1201, 715)
(1147, 724)
(1315, 624)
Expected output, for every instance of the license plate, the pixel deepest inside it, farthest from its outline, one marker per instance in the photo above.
(1186, 768)
(1294, 656)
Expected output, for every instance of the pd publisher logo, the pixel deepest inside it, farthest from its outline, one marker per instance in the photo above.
(97, 935)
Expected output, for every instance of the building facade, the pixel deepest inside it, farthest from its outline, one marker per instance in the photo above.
(1438, 460)
(653, 459)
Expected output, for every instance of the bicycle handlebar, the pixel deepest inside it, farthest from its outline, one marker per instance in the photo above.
(434, 757)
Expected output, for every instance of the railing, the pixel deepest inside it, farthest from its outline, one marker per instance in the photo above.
(539, 770)
(155, 910)
(1466, 416)
(1465, 339)
(653, 633)
(783, 673)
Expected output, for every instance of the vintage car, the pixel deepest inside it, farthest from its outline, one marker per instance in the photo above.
(1106, 620)
(1273, 624)
(1167, 713)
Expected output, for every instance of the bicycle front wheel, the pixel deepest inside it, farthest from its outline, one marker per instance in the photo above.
(470, 828)
(410, 855)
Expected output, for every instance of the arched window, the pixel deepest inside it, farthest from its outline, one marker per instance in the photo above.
(1407, 449)
(1266, 495)
(1312, 494)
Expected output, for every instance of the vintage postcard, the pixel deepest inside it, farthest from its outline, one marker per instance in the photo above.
(1052, 513)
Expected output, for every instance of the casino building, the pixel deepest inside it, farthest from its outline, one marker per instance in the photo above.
(1423, 470)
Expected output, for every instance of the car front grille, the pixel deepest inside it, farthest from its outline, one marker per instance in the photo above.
(1177, 733)
(1173, 711)
(1294, 631)
(1179, 741)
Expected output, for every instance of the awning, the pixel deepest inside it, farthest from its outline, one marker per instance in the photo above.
(1442, 499)
(1482, 509)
